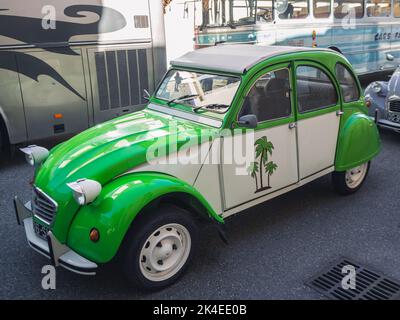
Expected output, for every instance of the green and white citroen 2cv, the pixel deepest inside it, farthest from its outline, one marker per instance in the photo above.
(136, 189)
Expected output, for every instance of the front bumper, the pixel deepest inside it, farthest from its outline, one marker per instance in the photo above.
(52, 249)
(389, 125)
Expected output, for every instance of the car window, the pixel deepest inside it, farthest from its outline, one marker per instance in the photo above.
(348, 84)
(205, 89)
(269, 98)
(315, 90)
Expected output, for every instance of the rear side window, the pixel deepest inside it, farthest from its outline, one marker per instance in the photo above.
(348, 84)
(315, 90)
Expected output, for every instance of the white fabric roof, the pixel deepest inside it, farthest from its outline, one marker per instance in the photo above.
(235, 58)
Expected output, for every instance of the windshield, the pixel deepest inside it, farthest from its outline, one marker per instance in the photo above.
(199, 89)
(218, 13)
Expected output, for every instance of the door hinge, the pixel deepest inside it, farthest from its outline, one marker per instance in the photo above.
(339, 113)
(292, 125)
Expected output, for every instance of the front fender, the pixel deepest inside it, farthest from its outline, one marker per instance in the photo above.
(117, 206)
(358, 143)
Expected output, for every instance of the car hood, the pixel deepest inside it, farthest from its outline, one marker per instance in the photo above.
(107, 151)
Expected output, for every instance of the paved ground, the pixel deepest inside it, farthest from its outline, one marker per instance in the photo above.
(274, 248)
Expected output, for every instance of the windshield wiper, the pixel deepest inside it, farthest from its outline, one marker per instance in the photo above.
(183, 98)
(213, 106)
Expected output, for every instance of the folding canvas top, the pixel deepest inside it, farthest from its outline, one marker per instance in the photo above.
(236, 58)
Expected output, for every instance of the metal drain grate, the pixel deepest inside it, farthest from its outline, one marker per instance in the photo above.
(369, 285)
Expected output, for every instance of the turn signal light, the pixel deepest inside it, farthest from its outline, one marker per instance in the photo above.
(368, 103)
(94, 235)
(58, 116)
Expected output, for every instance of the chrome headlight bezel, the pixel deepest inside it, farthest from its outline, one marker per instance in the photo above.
(85, 191)
(377, 87)
(35, 155)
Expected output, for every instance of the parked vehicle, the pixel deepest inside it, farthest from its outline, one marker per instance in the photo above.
(137, 187)
(367, 32)
(66, 66)
(384, 100)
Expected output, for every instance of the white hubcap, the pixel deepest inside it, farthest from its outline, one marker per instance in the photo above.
(165, 252)
(355, 177)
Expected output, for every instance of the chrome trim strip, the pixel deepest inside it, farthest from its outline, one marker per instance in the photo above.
(186, 115)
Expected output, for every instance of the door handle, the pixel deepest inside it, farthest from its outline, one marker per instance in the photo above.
(292, 125)
(339, 113)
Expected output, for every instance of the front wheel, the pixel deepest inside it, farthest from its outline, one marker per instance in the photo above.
(158, 248)
(350, 181)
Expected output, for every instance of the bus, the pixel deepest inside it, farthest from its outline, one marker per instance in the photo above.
(67, 65)
(367, 32)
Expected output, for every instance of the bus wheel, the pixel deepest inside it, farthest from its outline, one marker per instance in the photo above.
(350, 181)
(159, 247)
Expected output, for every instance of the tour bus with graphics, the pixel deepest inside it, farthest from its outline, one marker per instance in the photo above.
(367, 32)
(228, 128)
(67, 65)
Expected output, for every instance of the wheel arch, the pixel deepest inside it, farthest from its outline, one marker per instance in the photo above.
(122, 202)
(358, 142)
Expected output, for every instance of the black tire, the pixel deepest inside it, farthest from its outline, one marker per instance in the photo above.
(142, 228)
(342, 187)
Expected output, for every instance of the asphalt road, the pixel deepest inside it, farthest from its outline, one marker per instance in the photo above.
(274, 248)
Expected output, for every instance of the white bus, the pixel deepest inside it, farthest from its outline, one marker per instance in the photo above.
(367, 32)
(66, 65)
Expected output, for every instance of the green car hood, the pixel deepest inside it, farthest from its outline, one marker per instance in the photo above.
(107, 151)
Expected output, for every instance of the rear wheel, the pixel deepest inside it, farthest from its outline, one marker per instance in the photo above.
(350, 181)
(159, 247)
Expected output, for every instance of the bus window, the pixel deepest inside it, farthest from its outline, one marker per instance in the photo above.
(378, 8)
(242, 11)
(344, 8)
(217, 13)
(397, 8)
(322, 9)
(265, 11)
(296, 9)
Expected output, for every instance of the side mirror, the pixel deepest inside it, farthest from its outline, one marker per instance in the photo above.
(146, 95)
(248, 121)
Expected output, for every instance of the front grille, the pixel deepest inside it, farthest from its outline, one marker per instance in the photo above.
(43, 206)
(394, 106)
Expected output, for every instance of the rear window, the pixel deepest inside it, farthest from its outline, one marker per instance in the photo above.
(348, 84)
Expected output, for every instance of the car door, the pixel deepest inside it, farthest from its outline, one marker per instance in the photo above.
(272, 161)
(318, 118)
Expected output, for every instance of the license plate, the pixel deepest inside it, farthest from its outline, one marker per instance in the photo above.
(40, 230)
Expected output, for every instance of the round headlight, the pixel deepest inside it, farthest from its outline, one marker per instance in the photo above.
(35, 155)
(377, 87)
(85, 191)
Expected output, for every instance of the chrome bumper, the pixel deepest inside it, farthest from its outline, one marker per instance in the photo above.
(52, 249)
(389, 125)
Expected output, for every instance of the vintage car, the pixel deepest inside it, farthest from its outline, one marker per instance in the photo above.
(383, 98)
(137, 188)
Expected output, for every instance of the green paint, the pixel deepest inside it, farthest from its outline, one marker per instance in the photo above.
(119, 203)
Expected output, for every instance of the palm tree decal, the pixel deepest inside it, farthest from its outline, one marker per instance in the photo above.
(253, 171)
(264, 150)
